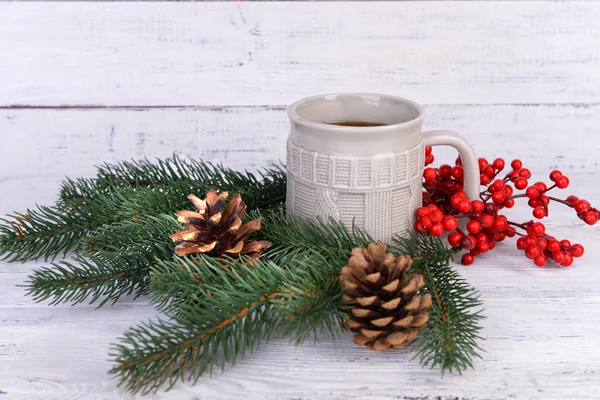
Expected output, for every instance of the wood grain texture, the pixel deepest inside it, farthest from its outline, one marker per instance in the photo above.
(71, 142)
(542, 337)
(171, 54)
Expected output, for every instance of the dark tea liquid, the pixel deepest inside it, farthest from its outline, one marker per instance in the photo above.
(356, 123)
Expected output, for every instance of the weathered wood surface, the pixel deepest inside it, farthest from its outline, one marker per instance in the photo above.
(254, 53)
(81, 84)
(71, 142)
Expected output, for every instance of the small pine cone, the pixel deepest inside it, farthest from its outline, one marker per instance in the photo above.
(217, 233)
(388, 312)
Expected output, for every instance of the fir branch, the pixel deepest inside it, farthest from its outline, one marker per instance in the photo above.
(49, 231)
(219, 309)
(115, 262)
(450, 338)
(263, 191)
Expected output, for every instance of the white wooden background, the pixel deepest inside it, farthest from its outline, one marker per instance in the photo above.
(84, 83)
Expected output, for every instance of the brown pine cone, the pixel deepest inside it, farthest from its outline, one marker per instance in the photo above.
(217, 233)
(388, 312)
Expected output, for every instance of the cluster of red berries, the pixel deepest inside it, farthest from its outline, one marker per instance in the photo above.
(445, 204)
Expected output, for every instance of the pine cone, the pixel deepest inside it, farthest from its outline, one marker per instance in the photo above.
(388, 312)
(217, 233)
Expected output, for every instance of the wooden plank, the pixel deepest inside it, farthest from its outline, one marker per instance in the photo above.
(70, 142)
(541, 338)
(171, 54)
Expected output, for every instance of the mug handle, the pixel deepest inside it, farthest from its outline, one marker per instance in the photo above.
(467, 155)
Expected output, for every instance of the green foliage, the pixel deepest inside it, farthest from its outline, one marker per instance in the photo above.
(125, 190)
(450, 338)
(113, 261)
(119, 224)
(218, 310)
(49, 232)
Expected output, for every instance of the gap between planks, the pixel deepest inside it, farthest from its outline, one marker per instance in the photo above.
(262, 106)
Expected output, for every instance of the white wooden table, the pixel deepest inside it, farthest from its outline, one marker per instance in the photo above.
(81, 84)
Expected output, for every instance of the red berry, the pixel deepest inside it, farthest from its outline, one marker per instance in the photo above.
(419, 227)
(501, 237)
(533, 252)
(468, 242)
(467, 259)
(483, 247)
(511, 232)
(488, 220)
(498, 197)
(492, 245)
(539, 212)
(482, 163)
(423, 212)
(490, 208)
(508, 190)
(484, 180)
(464, 206)
(582, 206)
(445, 171)
(516, 164)
(565, 243)
(455, 201)
(530, 240)
(532, 192)
(461, 194)
(590, 217)
(437, 229)
(481, 237)
(429, 159)
(542, 243)
(545, 199)
(525, 173)
(426, 222)
(568, 261)
(500, 224)
(474, 226)
(555, 174)
(454, 239)
(474, 252)
(433, 207)
(577, 250)
(457, 172)
(499, 164)
(540, 260)
(510, 203)
(572, 200)
(450, 223)
(477, 205)
(489, 170)
(436, 216)
(429, 174)
(521, 245)
(553, 246)
(559, 257)
(512, 175)
(428, 150)
(533, 203)
(498, 184)
(540, 185)
(537, 228)
(520, 183)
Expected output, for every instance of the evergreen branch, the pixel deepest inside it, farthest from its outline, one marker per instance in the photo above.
(220, 308)
(48, 231)
(267, 190)
(115, 262)
(450, 338)
(291, 235)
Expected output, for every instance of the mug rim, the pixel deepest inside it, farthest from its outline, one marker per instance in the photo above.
(293, 115)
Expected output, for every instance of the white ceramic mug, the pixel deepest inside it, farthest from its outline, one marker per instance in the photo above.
(367, 176)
